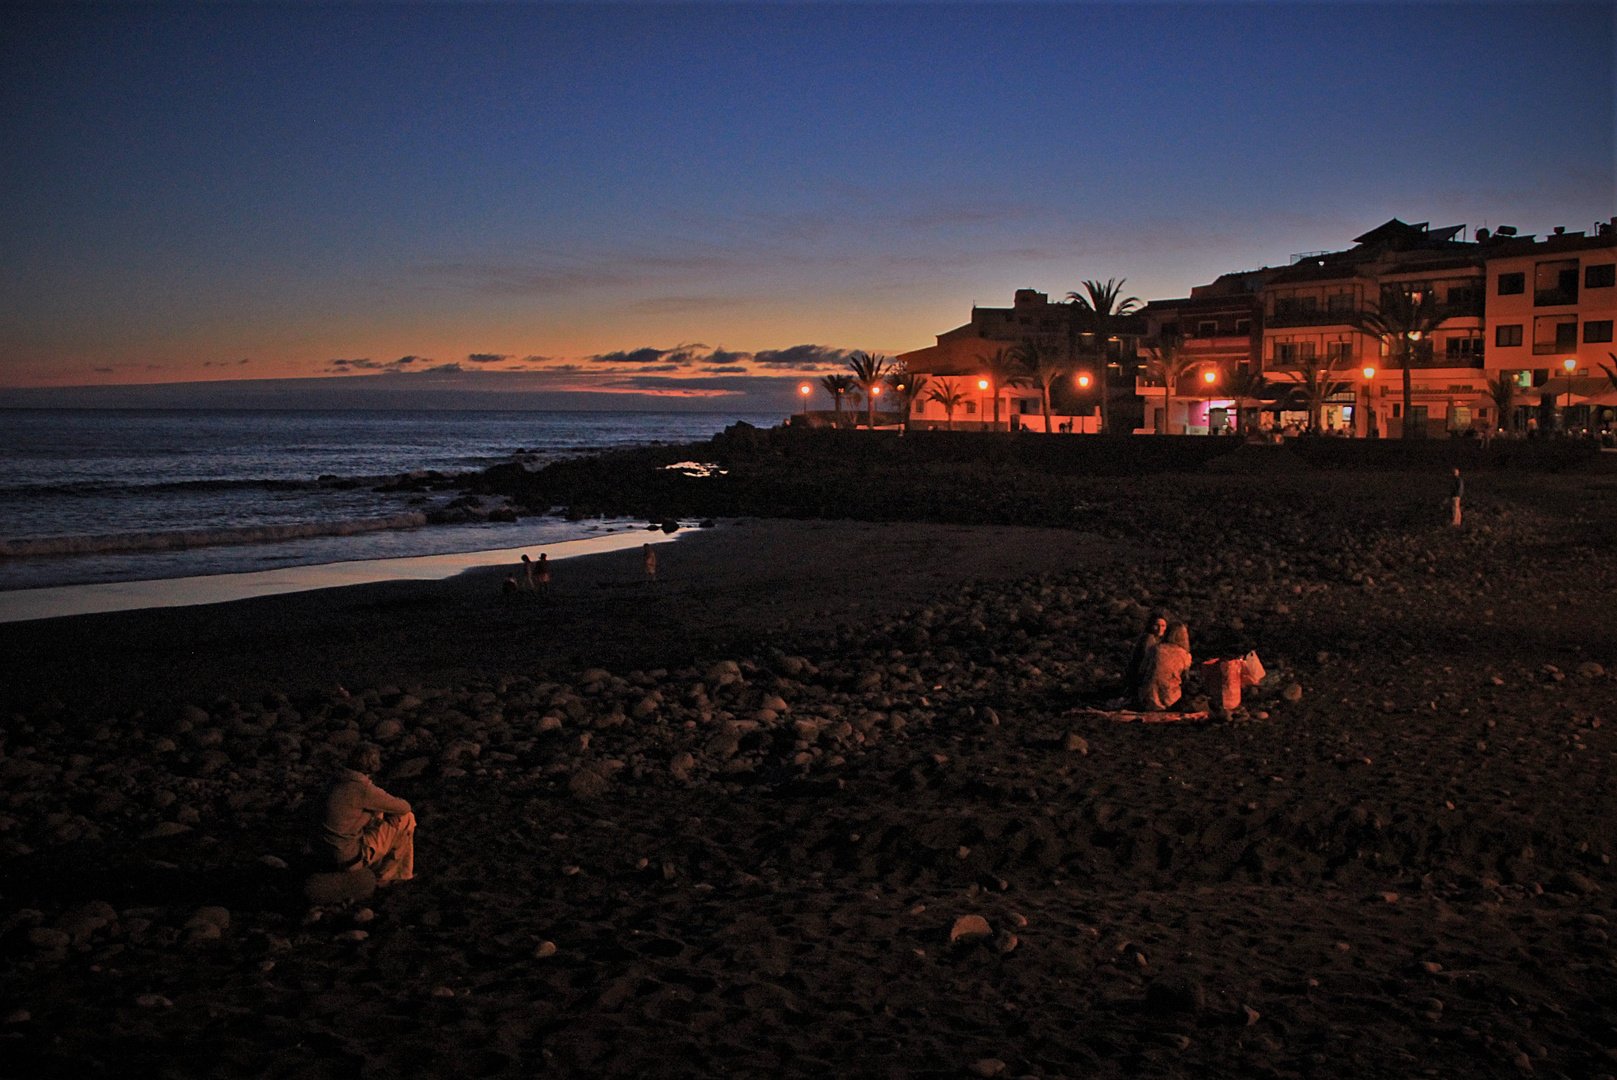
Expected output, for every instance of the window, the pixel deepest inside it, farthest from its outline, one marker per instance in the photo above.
(1243, 326)
(1170, 329)
(1206, 329)
(1512, 284)
(1600, 276)
(1339, 353)
(971, 408)
(1555, 334)
(1505, 337)
(1597, 330)
(1296, 305)
(1555, 283)
(1339, 303)
(1461, 295)
(1463, 349)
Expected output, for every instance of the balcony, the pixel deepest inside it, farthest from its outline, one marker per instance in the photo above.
(1555, 297)
(1317, 317)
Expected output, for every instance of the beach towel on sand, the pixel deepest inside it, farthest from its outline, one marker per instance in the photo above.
(1127, 716)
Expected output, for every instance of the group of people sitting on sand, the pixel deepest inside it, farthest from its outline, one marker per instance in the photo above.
(1157, 665)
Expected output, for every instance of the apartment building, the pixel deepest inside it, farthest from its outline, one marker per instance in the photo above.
(1311, 312)
(1551, 306)
(957, 359)
(1219, 328)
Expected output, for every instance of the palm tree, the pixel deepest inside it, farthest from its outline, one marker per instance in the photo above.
(1244, 385)
(869, 371)
(1404, 323)
(1611, 370)
(1167, 362)
(1503, 392)
(1315, 385)
(1100, 309)
(907, 386)
(1004, 369)
(1044, 365)
(950, 396)
(837, 386)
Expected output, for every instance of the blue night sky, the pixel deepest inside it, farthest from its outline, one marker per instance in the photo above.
(255, 190)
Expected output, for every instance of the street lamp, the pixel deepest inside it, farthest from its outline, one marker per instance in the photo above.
(1083, 382)
(982, 385)
(1571, 365)
(1369, 406)
(805, 390)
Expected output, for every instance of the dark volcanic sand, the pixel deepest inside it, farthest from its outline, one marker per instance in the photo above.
(1405, 872)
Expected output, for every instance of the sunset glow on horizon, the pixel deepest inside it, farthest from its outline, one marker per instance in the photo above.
(667, 200)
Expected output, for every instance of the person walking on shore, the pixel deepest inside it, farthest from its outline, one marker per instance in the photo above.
(541, 573)
(651, 563)
(1456, 493)
(364, 825)
(528, 584)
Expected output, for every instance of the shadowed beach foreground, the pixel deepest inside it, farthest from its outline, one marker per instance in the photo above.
(749, 804)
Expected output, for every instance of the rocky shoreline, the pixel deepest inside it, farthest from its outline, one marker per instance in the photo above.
(732, 824)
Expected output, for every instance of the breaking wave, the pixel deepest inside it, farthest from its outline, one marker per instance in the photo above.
(180, 539)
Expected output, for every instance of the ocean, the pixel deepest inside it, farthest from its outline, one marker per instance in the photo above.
(90, 496)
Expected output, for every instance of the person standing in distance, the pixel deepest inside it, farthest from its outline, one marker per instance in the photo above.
(1456, 493)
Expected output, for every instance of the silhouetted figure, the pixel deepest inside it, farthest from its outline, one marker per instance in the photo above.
(509, 586)
(651, 563)
(1456, 493)
(541, 574)
(527, 573)
(1143, 645)
(364, 825)
(1168, 662)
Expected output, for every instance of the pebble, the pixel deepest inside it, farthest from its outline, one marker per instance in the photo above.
(272, 862)
(545, 950)
(153, 1001)
(164, 829)
(352, 936)
(19, 1016)
(442, 992)
(1292, 693)
(969, 927)
(1077, 743)
(586, 784)
(987, 1067)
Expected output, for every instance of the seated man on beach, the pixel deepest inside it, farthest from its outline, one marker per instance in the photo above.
(1143, 645)
(1166, 664)
(364, 825)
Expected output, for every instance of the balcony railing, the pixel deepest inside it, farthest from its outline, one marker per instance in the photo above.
(1555, 297)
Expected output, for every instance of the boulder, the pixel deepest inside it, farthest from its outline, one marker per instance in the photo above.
(340, 886)
(587, 784)
(969, 928)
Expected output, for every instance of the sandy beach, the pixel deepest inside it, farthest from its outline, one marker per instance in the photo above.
(749, 804)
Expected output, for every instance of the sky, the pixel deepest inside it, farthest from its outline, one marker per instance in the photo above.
(688, 200)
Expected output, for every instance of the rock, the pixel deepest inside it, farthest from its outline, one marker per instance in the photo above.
(1077, 742)
(272, 862)
(339, 887)
(153, 1001)
(970, 928)
(351, 937)
(549, 723)
(681, 766)
(86, 919)
(387, 730)
(1292, 693)
(987, 1067)
(207, 924)
(194, 715)
(459, 752)
(646, 707)
(1006, 942)
(775, 704)
(442, 992)
(1175, 994)
(47, 939)
(406, 770)
(546, 949)
(1570, 881)
(594, 676)
(587, 784)
(723, 673)
(164, 745)
(1252, 1015)
(164, 828)
(1591, 670)
(19, 1016)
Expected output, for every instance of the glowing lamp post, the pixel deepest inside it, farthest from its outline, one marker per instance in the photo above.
(804, 391)
(1083, 382)
(982, 385)
(1369, 416)
(1209, 377)
(1571, 365)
